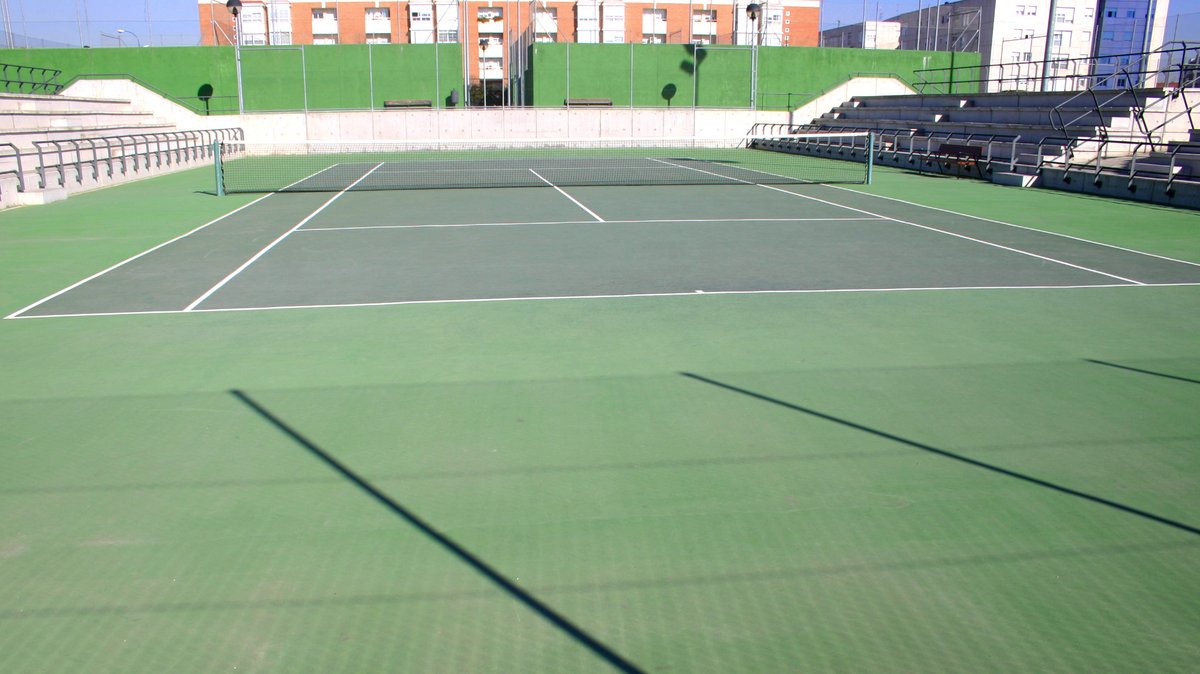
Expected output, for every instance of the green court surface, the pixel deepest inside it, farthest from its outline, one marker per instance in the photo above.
(921, 425)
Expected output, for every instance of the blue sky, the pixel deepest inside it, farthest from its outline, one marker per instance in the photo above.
(175, 21)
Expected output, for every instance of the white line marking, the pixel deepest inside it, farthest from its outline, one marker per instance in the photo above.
(706, 293)
(560, 191)
(208, 293)
(69, 288)
(126, 261)
(913, 224)
(1010, 224)
(585, 222)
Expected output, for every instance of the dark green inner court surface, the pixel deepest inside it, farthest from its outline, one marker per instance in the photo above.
(949, 444)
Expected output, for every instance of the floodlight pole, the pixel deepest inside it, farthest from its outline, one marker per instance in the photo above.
(235, 8)
(754, 12)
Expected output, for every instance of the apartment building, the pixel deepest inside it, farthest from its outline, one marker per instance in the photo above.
(1084, 38)
(491, 29)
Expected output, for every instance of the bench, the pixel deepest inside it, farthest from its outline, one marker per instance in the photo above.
(966, 157)
(588, 102)
(409, 103)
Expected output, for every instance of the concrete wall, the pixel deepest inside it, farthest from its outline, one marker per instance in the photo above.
(498, 123)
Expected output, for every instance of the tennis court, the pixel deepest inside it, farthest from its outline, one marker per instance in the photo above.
(739, 426)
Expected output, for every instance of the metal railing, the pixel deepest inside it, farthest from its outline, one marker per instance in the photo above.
(1117, 89)
(1173, 65)
(1129, 159)
(29, 79)
(124, 154)
(19, 171)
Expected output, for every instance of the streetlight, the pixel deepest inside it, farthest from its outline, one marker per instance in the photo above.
(122, 31)
(235, 8)
(754, 14)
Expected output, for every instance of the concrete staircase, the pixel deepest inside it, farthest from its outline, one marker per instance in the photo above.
(51, 145)
(1024, 136)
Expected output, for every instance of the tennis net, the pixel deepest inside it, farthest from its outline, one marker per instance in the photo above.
(337, 166)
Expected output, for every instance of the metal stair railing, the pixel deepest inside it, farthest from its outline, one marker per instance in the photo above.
(143, 151)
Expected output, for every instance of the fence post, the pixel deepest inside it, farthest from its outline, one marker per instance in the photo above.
(870, 156)
(220, 170)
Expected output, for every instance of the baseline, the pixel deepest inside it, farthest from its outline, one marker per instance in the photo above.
(696, 293)
(581, 222)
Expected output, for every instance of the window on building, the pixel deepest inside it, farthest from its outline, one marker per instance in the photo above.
(378, 38)
(1065, 15)
(1127, 36)
(1131, 14)
(1106, 35)
(1110, 13)
(546, 24)
(654, 26)
(447, 36)
(379, 14)
(324, 25)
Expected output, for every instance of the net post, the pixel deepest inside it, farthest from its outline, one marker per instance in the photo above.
(870, 156)
(218, 168)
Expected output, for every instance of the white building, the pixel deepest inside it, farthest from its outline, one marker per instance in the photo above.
(1084, 41)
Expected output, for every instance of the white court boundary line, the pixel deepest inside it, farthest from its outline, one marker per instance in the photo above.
(122, 263)
(1014, 225)
(913, 224)
(583, 222)
(220, 284)
(535, 298)
(562, 192)
(17, 314)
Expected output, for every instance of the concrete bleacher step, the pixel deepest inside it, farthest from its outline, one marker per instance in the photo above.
(974, 116)
(18, 121)
(45, 103)
(24, 138)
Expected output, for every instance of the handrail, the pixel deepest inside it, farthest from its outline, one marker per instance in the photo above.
(135, 151)
(20, 172)
(20, 75)
(1126, 76)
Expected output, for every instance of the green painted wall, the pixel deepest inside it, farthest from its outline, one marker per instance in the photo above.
(720, 75)
(176, 71)
(334, 77)
(355, 77)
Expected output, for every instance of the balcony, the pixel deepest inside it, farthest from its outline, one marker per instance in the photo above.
(491, 49)
(327, 26)
(492, 69)
(490, 21)
(704, 27)
(382, 25)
